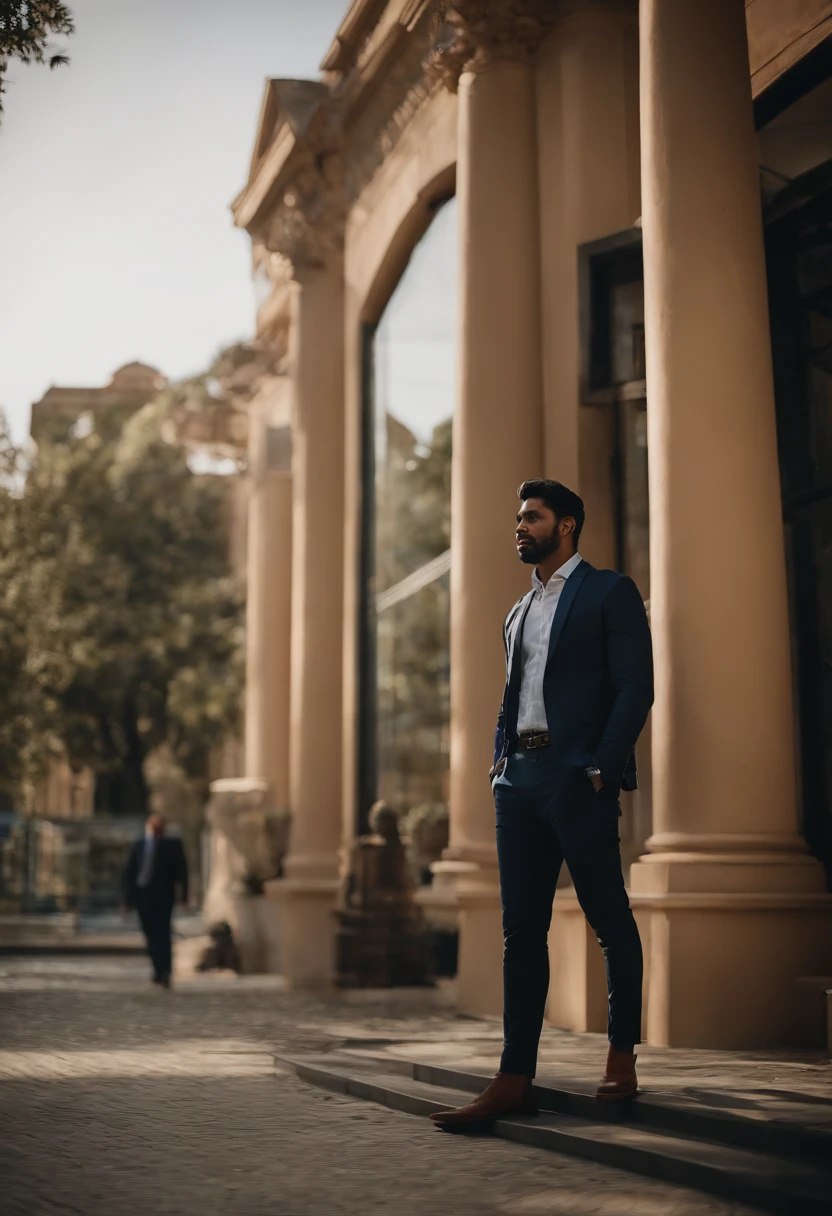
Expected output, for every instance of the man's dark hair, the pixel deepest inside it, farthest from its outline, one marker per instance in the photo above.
(558, 498)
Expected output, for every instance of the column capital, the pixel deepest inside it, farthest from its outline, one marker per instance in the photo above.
(306, 226)
(473, 34)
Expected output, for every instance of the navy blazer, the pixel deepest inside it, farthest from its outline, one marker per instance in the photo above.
(170, 870)
(598, 682)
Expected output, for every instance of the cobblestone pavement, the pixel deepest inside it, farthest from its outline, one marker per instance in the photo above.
(118, 1099)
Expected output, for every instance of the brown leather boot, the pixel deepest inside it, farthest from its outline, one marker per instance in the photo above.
(508, 1094)
(619, 1080)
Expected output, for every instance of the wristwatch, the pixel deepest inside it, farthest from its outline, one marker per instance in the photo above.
(592, 771)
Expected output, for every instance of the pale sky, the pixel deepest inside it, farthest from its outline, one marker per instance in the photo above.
(116, 176)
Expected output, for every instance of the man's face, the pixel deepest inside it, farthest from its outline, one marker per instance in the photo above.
(538, 533)
(156, 825)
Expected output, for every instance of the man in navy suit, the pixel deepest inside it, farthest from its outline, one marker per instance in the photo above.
(156, 872)
(579, 686)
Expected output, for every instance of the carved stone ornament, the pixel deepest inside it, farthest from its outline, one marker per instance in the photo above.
(473, 33)
(278, 268)
(307, 225)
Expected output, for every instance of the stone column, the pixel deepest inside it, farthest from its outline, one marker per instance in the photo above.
(736, 905)
(269, 586)
(244, 811)
(588, 136)
(307, 229)
(498, 442)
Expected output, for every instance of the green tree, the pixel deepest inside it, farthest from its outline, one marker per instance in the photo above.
(18, 704)
(118, 609)
(25, 29)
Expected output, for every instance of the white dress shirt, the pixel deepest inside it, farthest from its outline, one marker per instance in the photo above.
(536, 631)
(148, 857)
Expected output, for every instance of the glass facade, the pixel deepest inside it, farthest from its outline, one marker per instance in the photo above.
(799, 244)
(613, 378)
(612, 281)
(409, 400)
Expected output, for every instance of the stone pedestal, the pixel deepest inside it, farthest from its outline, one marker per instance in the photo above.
(736, 905)
(248, 842)
(381, 941)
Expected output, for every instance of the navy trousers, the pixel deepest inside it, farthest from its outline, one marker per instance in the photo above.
(155, 915)
(548, 813)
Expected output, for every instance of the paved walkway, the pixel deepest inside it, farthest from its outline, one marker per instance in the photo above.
(118, 1099)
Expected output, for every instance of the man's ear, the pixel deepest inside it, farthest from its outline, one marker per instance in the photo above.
(567, 525)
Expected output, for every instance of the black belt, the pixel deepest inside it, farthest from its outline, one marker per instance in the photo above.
(532, 740)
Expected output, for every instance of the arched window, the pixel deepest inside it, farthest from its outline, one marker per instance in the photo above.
(409, 401)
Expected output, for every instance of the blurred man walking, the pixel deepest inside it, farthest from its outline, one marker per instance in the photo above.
(156, 870)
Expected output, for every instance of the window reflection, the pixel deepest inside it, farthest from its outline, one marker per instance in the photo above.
(412, 407)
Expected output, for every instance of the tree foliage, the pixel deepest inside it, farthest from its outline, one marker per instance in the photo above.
(25, 29)
(120, 624)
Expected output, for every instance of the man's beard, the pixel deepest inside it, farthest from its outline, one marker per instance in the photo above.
(537, 551)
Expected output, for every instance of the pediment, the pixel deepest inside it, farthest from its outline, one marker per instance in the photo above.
(286, 103)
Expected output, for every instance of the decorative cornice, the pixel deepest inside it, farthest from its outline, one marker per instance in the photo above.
(380, 117)
(474, 33)
(361, 17)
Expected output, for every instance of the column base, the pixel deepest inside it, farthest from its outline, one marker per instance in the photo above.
(578, 984)
(305, 913)
(271, 924)
(728, 937)
(476, 890)
(442, 895)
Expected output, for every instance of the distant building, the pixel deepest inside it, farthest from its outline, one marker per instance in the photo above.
(59, 409)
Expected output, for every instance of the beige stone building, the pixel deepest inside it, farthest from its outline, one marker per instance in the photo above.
(466, 234)
(60, 407)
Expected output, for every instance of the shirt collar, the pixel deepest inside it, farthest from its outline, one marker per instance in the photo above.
(562, 572)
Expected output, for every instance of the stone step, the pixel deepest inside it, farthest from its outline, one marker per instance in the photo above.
(765, 1180)
(677, 1112)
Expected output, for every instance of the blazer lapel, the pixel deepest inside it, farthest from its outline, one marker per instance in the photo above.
(515, 639)
(567, 599)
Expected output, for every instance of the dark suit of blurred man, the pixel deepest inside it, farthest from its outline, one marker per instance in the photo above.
(156, 873)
